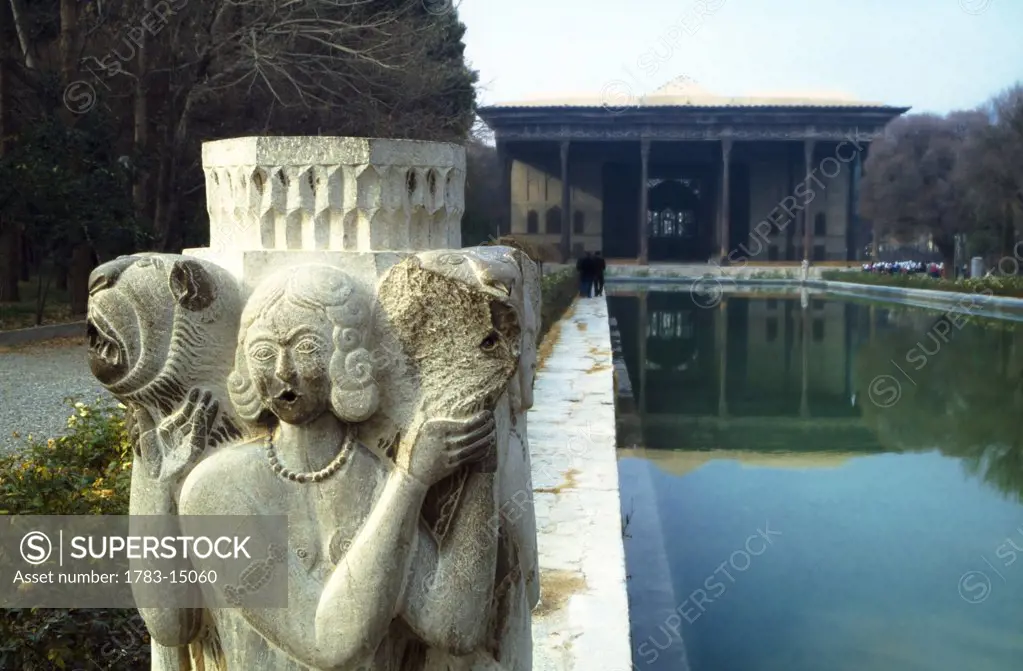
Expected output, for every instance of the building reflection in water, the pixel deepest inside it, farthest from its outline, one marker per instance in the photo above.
(765, 374)
(706, 378)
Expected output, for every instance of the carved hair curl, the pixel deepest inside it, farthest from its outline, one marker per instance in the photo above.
(354, 394)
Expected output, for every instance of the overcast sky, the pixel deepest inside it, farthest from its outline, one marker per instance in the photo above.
(933, 55)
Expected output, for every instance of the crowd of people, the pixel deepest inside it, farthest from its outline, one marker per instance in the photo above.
(591, 274)
(905, 268)
(591, 269)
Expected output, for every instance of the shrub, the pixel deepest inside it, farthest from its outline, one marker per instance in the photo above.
(540, 252)
(86, 471)
(551, 253)
(998, 285)
(558, 289)
(525, 246)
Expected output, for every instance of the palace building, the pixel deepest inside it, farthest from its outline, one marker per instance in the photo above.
(683, 175)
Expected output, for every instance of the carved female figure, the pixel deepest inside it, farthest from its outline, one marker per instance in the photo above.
(302, 370)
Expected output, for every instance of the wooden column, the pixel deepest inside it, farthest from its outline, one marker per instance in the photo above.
(644, 327)
(504, 165)
(804, 403)
(722, 347)
(724, 238)
(852, 229)
(808, 147)
(644, 226)
(566, 205)
(790, 227)
(864, 155)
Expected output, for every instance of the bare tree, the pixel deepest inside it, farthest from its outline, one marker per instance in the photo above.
(909, 186)
(292, 67)
(991, 168)
(482, 193)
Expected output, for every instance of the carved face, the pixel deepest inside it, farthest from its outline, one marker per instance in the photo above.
(288, 351)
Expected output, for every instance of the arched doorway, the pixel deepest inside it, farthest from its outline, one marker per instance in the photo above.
(674, 220)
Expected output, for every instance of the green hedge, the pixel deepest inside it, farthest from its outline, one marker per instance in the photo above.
(87, 471)
(998, 285)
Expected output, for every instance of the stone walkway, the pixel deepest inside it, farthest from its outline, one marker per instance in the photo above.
(33, 383)
(582, 622)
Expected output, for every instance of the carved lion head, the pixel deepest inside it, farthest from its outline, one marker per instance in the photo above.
(159, 325)
(461, 333)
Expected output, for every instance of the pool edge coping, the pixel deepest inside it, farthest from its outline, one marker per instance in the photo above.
(582, 622)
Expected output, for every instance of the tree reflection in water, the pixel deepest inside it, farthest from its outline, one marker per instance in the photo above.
(960, 391)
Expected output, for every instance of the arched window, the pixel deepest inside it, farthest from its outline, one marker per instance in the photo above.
(579, 223)
(820, 225)
(532, 222)
(552, 226)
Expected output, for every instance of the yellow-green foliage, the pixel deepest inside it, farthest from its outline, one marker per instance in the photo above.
(87, 471)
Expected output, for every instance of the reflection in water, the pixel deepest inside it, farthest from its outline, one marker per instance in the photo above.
(882, 445)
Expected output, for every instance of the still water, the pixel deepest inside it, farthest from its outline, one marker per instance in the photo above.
(823, 488)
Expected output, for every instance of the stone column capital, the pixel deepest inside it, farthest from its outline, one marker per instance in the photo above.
(333, 194)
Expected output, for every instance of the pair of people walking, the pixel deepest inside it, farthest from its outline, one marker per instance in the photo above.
(591, 274)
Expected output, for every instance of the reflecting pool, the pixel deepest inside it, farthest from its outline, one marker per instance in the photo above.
(828, 487)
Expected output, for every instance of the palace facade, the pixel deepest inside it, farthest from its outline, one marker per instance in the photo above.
(682, 175)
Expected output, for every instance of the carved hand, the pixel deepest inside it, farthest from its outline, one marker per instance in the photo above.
(166, 450)
(444, 445)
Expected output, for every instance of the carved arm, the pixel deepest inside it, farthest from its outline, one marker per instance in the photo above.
(151, 495)
(449, 595)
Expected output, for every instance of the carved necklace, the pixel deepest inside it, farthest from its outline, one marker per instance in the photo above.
(318, 476)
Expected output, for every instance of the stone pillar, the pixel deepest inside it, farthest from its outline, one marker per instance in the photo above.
(566, 205)
(808, 147)
(724, 238)
(504, 164)
(644, 227)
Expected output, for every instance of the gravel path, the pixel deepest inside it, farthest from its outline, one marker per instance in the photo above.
(33, 383)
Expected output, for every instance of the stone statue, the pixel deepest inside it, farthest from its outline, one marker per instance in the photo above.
(358, 543)
(375, 396)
